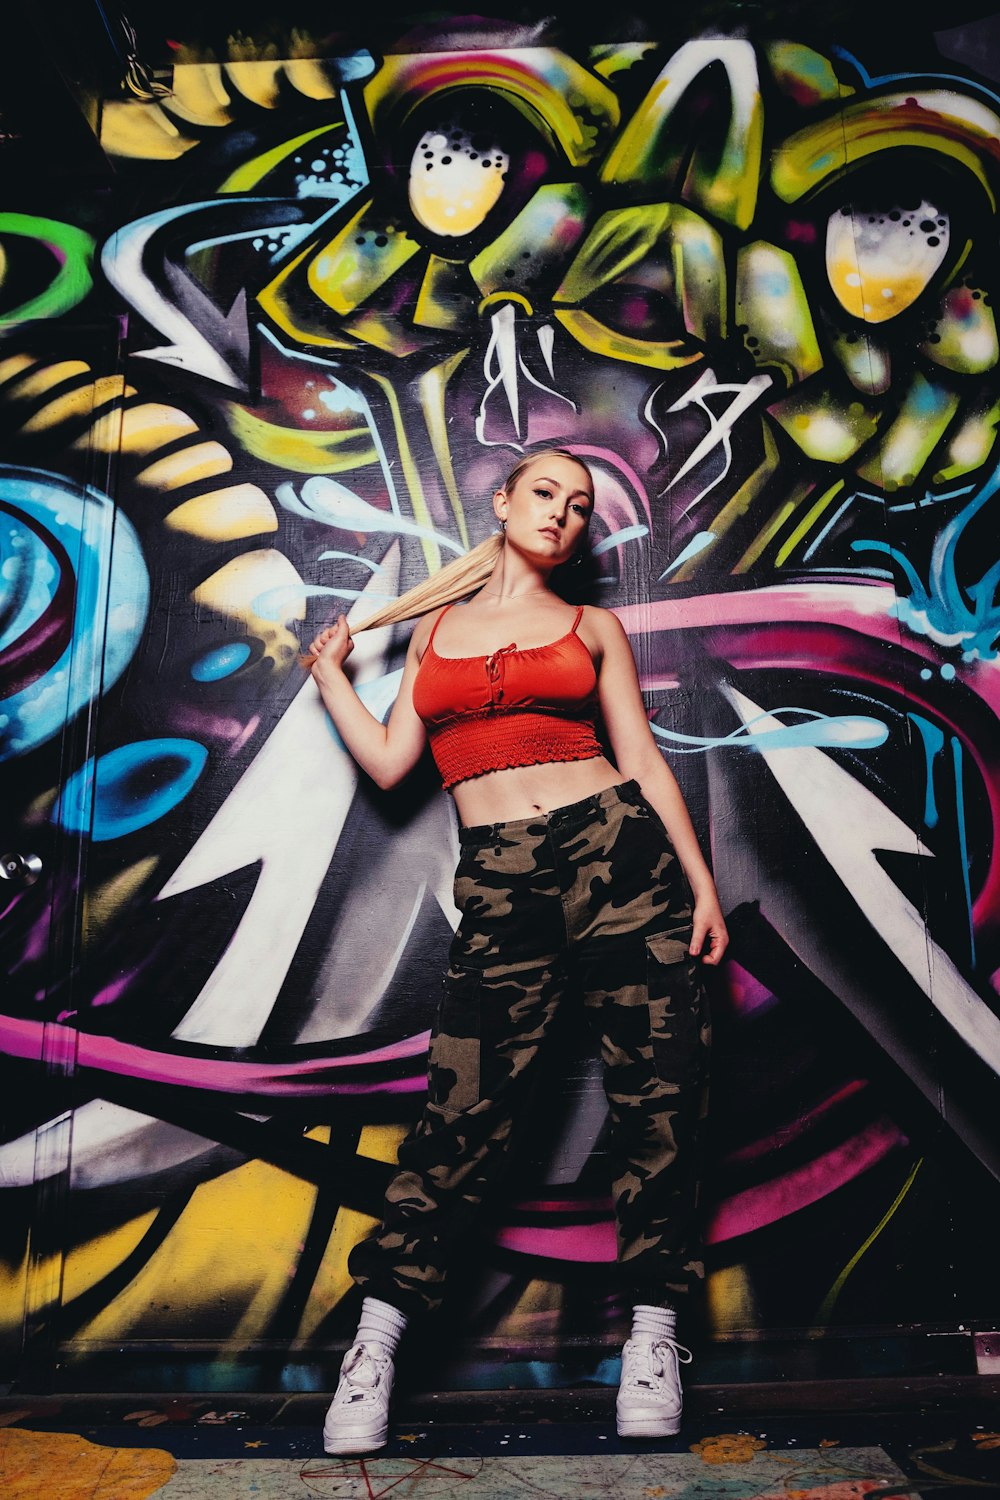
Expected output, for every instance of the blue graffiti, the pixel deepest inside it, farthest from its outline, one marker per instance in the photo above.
(963, 840)
(221, 662)
(28, 579)
(950, 613)
(830, 731)
(695, 545)
(129, 787)
(617, 538)
(373, 567)
(327, 500)
(106, 607)
(378, 696)
(933, 743)
(279, 603)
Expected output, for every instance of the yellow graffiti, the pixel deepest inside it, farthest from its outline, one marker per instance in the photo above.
(730, 1298)
(15, 365)
(930, 120)
(822, 426)
(103, 903)
(333, 1281)
(199, 95)
(919, 426)
(137, 131)
(189, 466)
(324, 451)
(971, 444)
(226, 1262)
(554, 216)
(650, 151)
(963, 335)
(232, 591)
(620, 240)
(13, 1290)
(807, 76)
(808, 522)
(80, 403)
(358, 260)
(661, 354)
(431, 389)
(771, 302)
(447, 195)
(139, 429)
(830, 1300)
(86, 1265)
(576, 106)
(775, 523)
(863, 358)
(245, 177)
(48, 377)
(225, 515)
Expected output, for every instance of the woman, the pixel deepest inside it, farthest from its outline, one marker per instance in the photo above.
(567, 874)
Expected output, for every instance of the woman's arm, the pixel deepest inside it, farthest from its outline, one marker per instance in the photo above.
(389, 751)
(638, 757)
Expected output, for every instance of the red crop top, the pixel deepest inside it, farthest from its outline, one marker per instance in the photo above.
(511, 708)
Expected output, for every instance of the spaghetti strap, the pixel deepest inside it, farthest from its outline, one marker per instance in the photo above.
(437, 622)
(579, 617)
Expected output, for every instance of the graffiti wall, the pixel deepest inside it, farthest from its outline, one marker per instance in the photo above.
(276, 372)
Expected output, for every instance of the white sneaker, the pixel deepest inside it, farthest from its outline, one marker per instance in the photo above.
(649, 1396)
(358, 1418)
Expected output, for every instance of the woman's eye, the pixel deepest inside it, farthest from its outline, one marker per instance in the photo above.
(544, 494)
(582, 510)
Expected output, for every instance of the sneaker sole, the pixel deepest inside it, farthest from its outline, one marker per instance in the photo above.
(649, 1427)
(351, 1443)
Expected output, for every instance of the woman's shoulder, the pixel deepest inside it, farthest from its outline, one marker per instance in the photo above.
(602, 622)
(425, 627)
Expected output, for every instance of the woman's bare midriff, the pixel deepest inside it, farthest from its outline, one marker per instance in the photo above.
(523, 791)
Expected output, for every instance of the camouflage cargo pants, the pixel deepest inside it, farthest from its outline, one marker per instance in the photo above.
(589, 900)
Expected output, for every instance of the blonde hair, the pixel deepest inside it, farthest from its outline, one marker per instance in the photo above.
(466, 574)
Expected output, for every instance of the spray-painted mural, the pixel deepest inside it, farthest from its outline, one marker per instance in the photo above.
(278, 372)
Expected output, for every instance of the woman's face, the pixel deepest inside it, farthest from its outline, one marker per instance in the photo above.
(547, 508)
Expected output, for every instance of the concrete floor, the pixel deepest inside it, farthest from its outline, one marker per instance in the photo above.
(114, 1448)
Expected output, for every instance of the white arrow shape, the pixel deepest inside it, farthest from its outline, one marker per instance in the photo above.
(849, 823)
(286, 812)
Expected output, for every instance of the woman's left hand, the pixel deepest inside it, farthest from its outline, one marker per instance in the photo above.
(709, 938)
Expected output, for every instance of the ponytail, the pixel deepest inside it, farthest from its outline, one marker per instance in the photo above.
(457, 580)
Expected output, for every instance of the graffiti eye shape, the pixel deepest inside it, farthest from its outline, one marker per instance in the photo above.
(639, 311)
(457, 176)
(880, 260)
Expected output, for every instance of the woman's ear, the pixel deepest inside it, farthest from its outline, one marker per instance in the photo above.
(500, 505)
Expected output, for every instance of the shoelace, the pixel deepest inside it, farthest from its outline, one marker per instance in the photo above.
(360, 1368)
(658, 1354)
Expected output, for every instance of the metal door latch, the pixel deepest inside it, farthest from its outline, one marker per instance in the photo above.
(21, 869)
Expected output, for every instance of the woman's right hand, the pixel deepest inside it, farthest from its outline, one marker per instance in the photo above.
(330, 648)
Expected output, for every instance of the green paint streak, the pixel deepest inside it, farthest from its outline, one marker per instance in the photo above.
(74, 250)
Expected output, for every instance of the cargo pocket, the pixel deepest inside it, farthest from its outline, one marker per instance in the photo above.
(674, 993)
(455, 1048)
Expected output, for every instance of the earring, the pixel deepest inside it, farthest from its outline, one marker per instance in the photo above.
(503, 526)
(577, 560)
